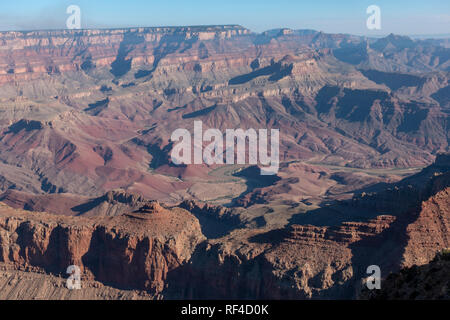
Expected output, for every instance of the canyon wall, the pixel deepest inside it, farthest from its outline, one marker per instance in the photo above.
(132, 251)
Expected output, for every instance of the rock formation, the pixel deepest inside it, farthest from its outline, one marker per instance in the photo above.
(86, 176)
(130, 251)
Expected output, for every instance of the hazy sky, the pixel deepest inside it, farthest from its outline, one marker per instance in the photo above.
(410, 17)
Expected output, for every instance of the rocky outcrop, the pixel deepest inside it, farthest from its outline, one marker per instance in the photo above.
(131, 251)
(300, 262)
(320, 262)
(306, 262)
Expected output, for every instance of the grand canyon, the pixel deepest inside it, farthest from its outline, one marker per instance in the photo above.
(87, 179)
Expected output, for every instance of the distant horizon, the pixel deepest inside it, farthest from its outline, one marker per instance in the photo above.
(402, 17)
(413, 36)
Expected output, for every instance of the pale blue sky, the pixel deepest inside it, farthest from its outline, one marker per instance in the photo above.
(347, 16)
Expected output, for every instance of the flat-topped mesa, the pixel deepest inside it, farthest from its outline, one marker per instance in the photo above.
(348, 232)
(125, 251)
(44, 36)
